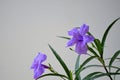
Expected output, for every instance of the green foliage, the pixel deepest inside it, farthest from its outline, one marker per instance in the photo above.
(77, 72)
(96, 52)
(89, 76)
(54, 74)
(93, 51)
(113, 59)
(64, 37)
(62, 63)
(98, 46)
(107, 31)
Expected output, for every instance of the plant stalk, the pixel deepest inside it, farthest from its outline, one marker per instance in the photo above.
(106, 70)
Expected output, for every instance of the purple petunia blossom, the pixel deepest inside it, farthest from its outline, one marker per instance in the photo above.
(37, 65)
(80, 39)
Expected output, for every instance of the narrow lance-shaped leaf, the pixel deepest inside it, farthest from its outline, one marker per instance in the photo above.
(116, 72)
(83, 64)
(93, 45)
(103, 74)
(98, 45)
(113, 59)
(98, 66)
(61, 62)
(92, 51)
(54, 74)
(107, 31)
(77, 66)
(90, 34)
(64, 37)
(89, 76)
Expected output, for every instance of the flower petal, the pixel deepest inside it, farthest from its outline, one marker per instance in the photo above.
(41, 57)
(37, 65)
(38, 59)
(73, 31)
(88, 38)
(38, 72)
(71, 42)
(81, 48)
(84, 29)
(34, 65)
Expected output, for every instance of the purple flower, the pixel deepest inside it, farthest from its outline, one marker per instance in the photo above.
(37, 65)
(80, 39)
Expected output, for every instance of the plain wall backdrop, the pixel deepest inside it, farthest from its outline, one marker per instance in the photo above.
(27, 26)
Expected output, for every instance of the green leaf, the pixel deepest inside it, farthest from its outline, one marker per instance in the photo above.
(76, 67)
(90, 34)
(92, 51)
(61, 62)
(116, 72)
(89, 76)
(104, 74)
(93, 45)
(83, 64)
(89, 66)
(113, 59)
(98, 45)
(64, 37)
(98, 66)
(107, 31)
(54, 74)
(91, 42)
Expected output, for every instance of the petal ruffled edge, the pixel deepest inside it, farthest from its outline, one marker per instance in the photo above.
(71, 42)
(39, 58)
(84, 29)
(88, 38)
(73, 31)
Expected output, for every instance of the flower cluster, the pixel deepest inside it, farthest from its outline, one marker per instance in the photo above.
(80, 37)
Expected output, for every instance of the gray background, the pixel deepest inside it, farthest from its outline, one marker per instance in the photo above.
(27, 26)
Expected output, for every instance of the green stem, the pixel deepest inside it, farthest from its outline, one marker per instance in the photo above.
(103, 63)
(55, 72)
(71, 77)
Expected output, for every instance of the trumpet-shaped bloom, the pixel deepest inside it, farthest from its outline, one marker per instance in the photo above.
(37, 65)
(80, 39)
